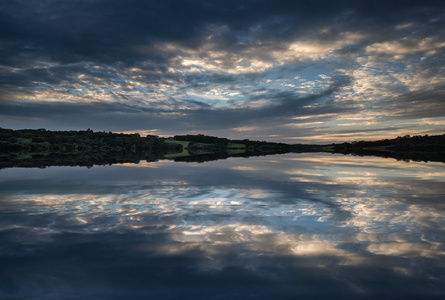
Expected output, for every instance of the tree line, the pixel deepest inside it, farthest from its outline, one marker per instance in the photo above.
(405, 143)
(41, 147)
(251, 145)
(417, 148)
(44, 141)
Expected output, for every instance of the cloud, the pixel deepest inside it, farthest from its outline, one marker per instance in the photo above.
(133, 117)
(249, 62)
(406, 47)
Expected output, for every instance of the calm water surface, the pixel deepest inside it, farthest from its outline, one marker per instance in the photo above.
(294, 226)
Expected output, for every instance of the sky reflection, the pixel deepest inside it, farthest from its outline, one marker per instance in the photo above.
(268, 227)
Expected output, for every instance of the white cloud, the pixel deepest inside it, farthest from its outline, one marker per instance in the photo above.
(406, 46)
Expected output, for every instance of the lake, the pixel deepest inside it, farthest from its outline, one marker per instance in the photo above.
(292, 226)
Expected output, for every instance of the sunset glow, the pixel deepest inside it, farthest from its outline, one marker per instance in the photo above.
(288, 71)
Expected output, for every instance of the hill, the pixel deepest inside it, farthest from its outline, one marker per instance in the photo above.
(41, 148)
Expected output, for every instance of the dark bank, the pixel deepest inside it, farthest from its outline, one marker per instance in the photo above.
(42, 148)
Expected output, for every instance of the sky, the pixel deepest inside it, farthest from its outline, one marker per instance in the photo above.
(287, 71)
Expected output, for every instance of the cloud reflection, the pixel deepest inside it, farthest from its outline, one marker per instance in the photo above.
(346, 222)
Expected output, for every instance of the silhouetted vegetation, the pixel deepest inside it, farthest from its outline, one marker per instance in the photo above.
(417, 148)
(252, 147)
(41, 140)
(200, 138)
(263, 147)
(203, 148)
(41, 148)
(426, 143)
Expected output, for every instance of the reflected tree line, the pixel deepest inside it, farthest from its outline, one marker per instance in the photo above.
(41, 148)
(417, 148)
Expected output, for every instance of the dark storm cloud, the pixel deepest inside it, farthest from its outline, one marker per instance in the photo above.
(137, 62)
(109, 31)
